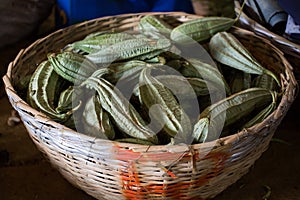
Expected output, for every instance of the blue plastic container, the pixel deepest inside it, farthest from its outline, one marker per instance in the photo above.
(75, 11)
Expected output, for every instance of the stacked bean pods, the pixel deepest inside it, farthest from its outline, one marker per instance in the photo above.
(149, 87)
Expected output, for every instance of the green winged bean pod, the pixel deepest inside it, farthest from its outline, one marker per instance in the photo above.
(186, 87)
(227, 49)
(125, 70)
(72, 66)
(96, 121)
(125, 116)
(69, 99)
(44, 86)
(264, 113)
(154, 26)
(197, 69)
(201, 29)
(97, 42)
(129, 49)
(65, 101)
(166, 111)
(228, 111)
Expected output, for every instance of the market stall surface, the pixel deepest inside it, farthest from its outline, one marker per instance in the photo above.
(26, 175)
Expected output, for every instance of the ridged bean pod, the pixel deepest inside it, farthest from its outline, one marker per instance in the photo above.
(164, 108)
(72, 66)
(96, 121)
(154, 26)
(264, 113)
(197, 69)
(44, 87)
(69, 99)
(97, 42)
(129, 49)
(200, 29)
(227, 49)
(125, 70)
(126, 118)
(186, 87)
(228, 111)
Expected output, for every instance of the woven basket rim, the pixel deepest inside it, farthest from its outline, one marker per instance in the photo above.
(22, 104)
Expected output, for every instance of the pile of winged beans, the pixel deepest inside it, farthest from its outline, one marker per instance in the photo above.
(86, 85)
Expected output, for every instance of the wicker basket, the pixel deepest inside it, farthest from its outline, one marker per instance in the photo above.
(291, 50)
(112, 170)
(213, 7)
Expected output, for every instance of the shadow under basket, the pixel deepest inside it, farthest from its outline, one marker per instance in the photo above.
(112, 170)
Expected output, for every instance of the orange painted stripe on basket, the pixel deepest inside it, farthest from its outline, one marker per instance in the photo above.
(219, 159)
(126, 154)
(130, 181)
(171, 174)
(132, 188)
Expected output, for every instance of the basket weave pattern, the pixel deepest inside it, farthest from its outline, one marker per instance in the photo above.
(112, 170)
(213, 7)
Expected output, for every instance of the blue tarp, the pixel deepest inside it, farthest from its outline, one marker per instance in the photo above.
(82, 10)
